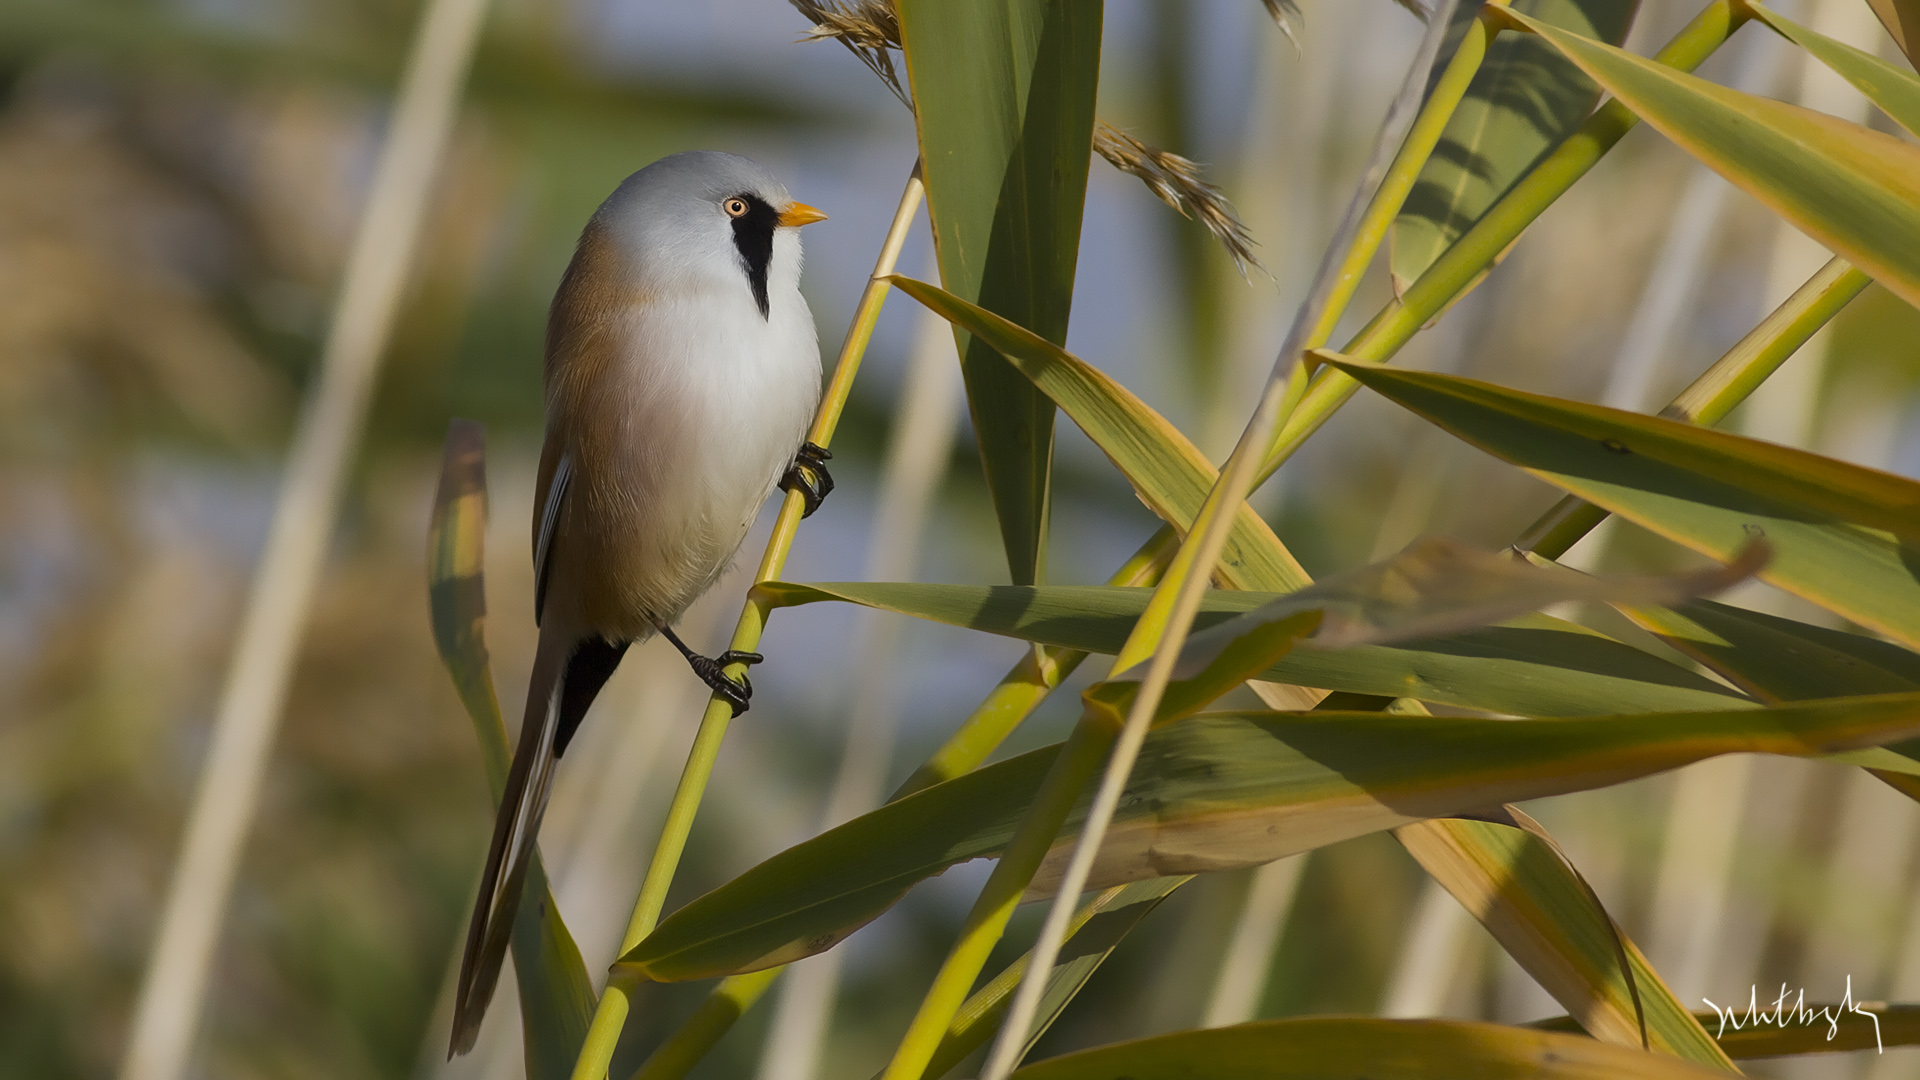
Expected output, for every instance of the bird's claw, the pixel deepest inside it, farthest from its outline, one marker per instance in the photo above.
(712, 671)
(809, 476)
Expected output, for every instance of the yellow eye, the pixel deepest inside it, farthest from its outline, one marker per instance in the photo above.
(735, 207)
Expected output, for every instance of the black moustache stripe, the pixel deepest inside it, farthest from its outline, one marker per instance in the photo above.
(753, 238)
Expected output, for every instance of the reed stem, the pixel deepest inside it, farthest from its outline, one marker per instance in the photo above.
(1724, 385)
(1080, 758)
(173, 990)
(1461, 266)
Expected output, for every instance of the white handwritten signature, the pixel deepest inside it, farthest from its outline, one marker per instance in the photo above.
(1782, 1014)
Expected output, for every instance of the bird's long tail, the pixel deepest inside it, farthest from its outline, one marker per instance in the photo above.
(566, 677)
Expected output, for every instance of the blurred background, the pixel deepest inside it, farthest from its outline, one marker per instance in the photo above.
(179, 182)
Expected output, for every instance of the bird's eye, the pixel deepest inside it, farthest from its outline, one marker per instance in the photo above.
(735, 207)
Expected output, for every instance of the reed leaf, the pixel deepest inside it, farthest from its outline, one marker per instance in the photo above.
(1523, 103)
(1897, 92)
(1777, 659)
(1554, 926)
(1177, 482)
(1853, 189)
(1097, 929)
(1209, 665)
(1003, 95)
(1843, 536)
(1220, 791)
(1535, 665)
(1167, 471)
(1902, 20)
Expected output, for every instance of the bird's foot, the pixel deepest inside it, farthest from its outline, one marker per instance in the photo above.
(712, 671)
(809, 476)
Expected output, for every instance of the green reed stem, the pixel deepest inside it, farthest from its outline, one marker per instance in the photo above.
(611, 1015)
(1422, 137)
(1709, 398)
(1758, 355)
(684, 1049)
(1391, 196)
(1080, 758)
(1456, 271)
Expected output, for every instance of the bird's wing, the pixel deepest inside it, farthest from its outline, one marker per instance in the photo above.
(545, 525)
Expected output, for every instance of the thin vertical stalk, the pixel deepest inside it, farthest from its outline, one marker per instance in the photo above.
(251, 702)
(1163, 632)
(685, 1048)
(1079, 759)
(611, 1014)
(1436, 938)
(1412, 157)
(917, 456)
(1249, 956)
(1673, 283)
(1405, 171)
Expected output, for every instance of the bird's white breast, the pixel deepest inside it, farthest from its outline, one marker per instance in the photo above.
(710, 401)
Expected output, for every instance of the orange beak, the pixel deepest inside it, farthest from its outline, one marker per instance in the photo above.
(800, 214)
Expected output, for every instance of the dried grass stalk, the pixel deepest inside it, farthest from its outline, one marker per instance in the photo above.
(1286, 15)
(1178, 183)
(868, 28)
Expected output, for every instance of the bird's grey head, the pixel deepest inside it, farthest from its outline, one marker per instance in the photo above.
(709, 219)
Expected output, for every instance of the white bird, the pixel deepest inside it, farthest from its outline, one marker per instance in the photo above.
(682, 369)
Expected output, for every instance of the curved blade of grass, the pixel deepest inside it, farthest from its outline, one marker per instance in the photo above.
(1897, 92)
(1168, 472)
(1870, 1026)
(1828, 521)
(1902, 20)
(1219, 791)
(1855, 190)
(1338, 1047)
(1555, 928)
(1523, 103)
(1777, 659)
(1003, 95)
(556, 997)
(1532, 666)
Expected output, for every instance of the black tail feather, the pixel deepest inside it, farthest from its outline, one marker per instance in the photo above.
(553, 715)
(588, 670)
